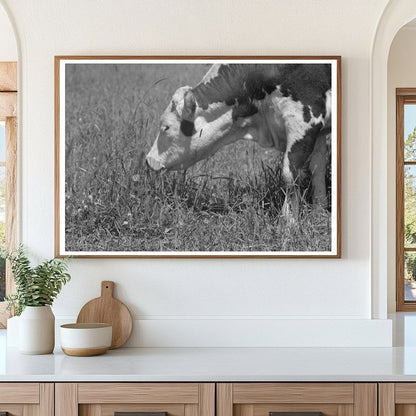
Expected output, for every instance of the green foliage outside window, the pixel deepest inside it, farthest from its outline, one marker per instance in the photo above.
(410, 205)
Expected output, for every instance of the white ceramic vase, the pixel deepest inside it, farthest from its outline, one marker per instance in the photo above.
(37, 330)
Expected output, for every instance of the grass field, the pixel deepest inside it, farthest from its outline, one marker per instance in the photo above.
(113, 202)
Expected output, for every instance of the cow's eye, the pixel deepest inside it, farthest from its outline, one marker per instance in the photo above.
(165, 128)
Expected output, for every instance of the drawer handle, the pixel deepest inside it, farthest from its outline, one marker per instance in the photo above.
(139, 414)
(295, 414)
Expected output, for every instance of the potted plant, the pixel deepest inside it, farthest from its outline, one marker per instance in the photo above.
(36, 289)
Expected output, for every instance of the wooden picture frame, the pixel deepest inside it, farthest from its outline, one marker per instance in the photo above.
(149, 161)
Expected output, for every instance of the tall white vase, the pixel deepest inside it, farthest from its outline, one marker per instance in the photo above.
(37, 330)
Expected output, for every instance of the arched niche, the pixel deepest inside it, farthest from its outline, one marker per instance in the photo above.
(396, 14)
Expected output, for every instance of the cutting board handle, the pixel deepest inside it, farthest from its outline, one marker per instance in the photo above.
(107, 288)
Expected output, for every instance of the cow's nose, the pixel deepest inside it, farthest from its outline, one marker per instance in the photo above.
(153, 163)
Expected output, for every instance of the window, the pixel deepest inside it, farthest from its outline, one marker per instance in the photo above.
(406, 199)
(8, 169)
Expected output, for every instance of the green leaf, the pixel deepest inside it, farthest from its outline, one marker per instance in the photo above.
(35, 286)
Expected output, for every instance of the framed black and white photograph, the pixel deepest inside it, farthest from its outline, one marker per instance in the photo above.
(198, 156)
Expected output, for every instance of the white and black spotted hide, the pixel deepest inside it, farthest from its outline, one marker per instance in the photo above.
(287, 106)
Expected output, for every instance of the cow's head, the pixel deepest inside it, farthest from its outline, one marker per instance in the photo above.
(172, 148)
(189, 133)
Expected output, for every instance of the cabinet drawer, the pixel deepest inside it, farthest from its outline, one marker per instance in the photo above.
(21, 399)
(144, 399)
(297, 399)
(19, 393)
(138, 393)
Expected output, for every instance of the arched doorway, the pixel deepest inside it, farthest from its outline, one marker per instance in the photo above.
(396, 15)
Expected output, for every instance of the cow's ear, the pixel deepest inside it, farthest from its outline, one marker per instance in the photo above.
(189, 106)
(188, 114)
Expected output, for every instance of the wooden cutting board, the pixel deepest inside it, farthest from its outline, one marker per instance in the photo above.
(108, 310)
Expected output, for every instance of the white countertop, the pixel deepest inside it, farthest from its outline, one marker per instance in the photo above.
(215, 364)
(221, 364)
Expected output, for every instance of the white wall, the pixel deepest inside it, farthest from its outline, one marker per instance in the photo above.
(8, 47)
(199, 302)
(401, 74)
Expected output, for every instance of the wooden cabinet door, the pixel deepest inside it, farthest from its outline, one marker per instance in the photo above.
(26, 399)
(143, 399)
(297, 399)
(397, 399)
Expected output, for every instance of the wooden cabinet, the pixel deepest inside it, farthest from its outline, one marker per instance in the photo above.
(27, 399)
(264, 399)
(222, 399)
(108, 399)
(397, 399)
(208, 399)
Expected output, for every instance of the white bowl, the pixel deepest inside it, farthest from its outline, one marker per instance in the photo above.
(83, 340)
